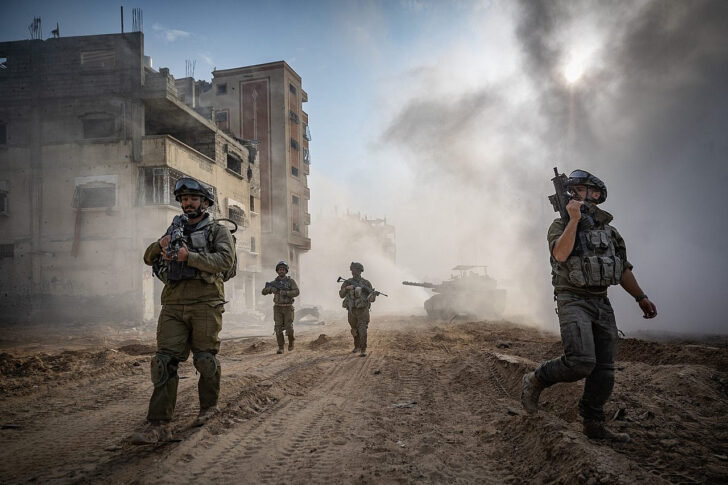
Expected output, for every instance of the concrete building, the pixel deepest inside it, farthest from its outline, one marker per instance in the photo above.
(92, 141)
(265, 103)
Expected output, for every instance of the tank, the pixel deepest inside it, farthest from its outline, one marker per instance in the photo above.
(469, 293)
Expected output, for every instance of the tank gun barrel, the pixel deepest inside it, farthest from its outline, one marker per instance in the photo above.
(423, 285)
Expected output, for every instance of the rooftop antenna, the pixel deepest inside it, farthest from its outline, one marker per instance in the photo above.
(35, 29)
(56, 33)
(137, 20)
(122, 19)
(190, 67)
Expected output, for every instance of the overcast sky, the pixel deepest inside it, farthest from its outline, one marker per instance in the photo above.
(448, 116)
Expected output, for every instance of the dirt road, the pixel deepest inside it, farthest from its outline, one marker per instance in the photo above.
(433, 403)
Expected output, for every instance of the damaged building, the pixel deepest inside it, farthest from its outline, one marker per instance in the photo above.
(265, 103)
(92, 141)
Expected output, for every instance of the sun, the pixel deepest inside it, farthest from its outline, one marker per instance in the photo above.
(573, 71)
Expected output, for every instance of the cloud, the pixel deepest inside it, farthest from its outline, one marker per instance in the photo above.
(170, 35)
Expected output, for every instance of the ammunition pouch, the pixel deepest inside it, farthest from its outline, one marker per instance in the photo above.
(597, 265)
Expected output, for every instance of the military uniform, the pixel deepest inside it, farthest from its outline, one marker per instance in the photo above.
(191, 316)
(283, 311)
(586, 319)
(357, 303)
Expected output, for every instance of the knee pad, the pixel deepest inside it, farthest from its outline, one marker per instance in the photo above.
(205, 363)
(163, 367)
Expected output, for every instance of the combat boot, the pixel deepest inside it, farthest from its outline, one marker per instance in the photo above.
(356, 346)
(596, 430)
(363, 352)
(155, 432)
(290, 343)
(530, 392)
(281, 342)
(205, 415)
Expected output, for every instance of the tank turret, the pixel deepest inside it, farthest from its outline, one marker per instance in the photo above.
(470, 293)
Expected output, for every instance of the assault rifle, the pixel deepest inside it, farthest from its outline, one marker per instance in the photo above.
(560, 199)
(562, 196)
(176, 235)
(359, 284)
(275, 285)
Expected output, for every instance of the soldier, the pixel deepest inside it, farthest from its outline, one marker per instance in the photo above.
(284, 289)
(192, 306)
(587, 256)
(358, 297)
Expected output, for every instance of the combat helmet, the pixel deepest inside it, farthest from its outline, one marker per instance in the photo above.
(582, 177)
(355, 265)
(282, 263)
(190, 186)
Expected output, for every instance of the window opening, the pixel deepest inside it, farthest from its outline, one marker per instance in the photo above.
(221, 120)
(3, 63)
(3, 202)
(234, 164)
(294, 171)
(252, 204)
(3, 133)
(294, 144)
(292, 89)
(95, 195)
(7, 250)
(222, 88)
(252, 244)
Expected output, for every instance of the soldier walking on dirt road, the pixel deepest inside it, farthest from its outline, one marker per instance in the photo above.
(587, 256)
(284, 290)
(192, 259)
(358, 297)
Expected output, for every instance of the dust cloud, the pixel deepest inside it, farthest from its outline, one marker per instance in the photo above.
(466, 149)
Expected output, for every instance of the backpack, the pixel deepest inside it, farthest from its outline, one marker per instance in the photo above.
(233, 270)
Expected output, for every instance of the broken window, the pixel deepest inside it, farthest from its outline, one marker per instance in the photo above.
(294, 171)
(293, 116)
(306, 156)
(236, 215)
(3, 63)
(158, 185)
(252, 203)
(234, 163)
(221, 120)
(101, 59)
(3, 133)
(98, 127)
(294, 144)
(95, 195)
(306, 132)
(7, 250)
(295, 213)
(222, 88)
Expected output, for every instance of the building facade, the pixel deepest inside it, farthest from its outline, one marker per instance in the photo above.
(265, 103)
(92, 141)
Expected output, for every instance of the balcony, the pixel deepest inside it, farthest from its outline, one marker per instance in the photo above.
(307, 193)
(307, 218)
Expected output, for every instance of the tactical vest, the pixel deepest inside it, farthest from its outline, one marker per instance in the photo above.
(594, 261)
(198, 241)
(279, 299)
(357, 298)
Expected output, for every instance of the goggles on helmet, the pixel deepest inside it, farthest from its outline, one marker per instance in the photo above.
(189, 184)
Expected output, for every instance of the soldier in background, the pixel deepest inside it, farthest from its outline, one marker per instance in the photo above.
(284, 290)
(587, 256)
(192, 307)
(358, 298)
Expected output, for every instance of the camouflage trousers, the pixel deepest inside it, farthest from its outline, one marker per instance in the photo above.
(359, 323)
(181, 329)
(589, 337)
(283, 320)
